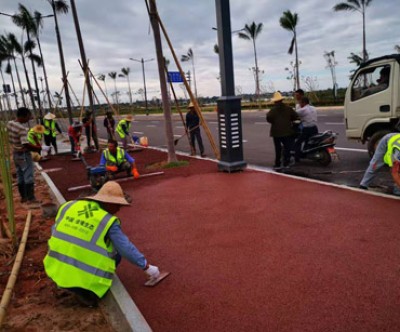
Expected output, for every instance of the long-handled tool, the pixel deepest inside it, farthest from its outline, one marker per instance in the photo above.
(176, 140)
(154, 281)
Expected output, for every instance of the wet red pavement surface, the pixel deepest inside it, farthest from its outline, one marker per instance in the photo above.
(257, 252)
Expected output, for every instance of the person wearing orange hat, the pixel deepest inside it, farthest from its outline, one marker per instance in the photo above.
(281, 118)
(87, 243)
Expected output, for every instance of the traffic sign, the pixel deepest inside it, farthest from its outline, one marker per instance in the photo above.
(174, 77)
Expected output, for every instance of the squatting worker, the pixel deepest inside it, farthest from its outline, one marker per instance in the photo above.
(117, 160)
(21, 149)
(387, 152)
(74, 134)
(35, 136)
(123, 129)
(87, 243)
(281, 118)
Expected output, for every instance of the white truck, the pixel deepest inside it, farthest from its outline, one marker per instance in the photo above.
(372, 102)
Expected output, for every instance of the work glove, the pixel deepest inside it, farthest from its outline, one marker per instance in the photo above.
(152, 272)
(135, 173)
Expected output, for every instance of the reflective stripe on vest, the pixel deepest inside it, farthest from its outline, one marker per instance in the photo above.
(111, 160)
(50, 127)
(119, 130)
(80, 265)
(393, 143)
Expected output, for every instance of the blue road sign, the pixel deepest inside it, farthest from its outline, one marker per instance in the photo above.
(174, 77)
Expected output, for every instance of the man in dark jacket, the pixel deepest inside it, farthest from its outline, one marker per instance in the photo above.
(281, 118)
(193, 125)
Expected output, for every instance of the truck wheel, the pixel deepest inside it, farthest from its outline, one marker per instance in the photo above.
(325, 158)
(374, 140)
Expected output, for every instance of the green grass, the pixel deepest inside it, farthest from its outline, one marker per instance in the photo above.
(174, 164)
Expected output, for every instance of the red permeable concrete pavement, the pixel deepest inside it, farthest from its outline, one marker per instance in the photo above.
(260, 252)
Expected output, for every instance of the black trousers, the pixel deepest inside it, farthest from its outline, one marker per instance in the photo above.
(196, 135)
(50, 140)
(285, 143)
(306, 133)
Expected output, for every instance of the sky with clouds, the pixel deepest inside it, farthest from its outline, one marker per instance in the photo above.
(115, 31)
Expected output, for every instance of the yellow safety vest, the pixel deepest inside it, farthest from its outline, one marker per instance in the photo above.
(34, 138)
(79, 255)
(111, 160)
(50, 127)
(119, 130)
(393, 143)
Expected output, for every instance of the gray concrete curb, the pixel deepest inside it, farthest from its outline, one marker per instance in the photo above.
(117, 305)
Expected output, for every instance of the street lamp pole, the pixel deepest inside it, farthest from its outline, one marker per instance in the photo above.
(229, 108)
(142, 61)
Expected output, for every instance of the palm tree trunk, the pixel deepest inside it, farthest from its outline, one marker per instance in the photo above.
(194, 77)
(364, 38)
(62, 62)
(83, 56)
(163, 84)
(13, 85)
(28, 82)
(297, 62)
(5, 94)
(35, 79)
(130, 91)
(19, 83)
(46, 81)
(256, 70)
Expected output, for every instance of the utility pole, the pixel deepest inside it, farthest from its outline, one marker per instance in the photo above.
(83, 57)
(163, 82)
(229, 108)
(142, 61)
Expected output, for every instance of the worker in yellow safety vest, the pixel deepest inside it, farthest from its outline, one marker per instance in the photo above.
(35, 136)
(387, 153)
(123, 129)
(51, 128)
(87, 243)
(115, 160)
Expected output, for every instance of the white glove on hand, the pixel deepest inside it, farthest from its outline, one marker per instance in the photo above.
(152, 272)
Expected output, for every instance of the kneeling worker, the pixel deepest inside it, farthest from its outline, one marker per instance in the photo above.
(117, 160)
(35, 136)
(87, 243)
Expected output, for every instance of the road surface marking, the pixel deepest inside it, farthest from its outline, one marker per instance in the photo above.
(179, 127)
(244, 140)
(138, 132)
(213, 122)
(352, 150)
(334, 123)
(263, 123)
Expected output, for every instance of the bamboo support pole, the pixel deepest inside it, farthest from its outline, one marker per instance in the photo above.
(192, 97)
(5, 300)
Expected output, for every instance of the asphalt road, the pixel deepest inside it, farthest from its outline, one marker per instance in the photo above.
(258, 146)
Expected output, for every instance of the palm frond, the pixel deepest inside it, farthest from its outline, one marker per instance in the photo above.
(243, 35)
(216, 48)
(344, 6)
(113, 75)
(35, 58)
(61, 6)
(185, 58)
(8, 68)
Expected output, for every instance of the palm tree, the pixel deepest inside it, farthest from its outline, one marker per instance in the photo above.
(356, 59)
(102, 77)
(38, 19)
(190, 57)
(251, 32)
(61, 6)
(26, 22)
(9, 49)
(289, 21)
(397, 48)
(356, 6)
(113, 75)
(125, 73)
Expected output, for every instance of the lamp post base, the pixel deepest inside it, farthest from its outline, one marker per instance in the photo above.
(230, 167)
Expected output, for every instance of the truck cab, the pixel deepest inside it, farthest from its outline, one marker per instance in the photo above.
(372, 102)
